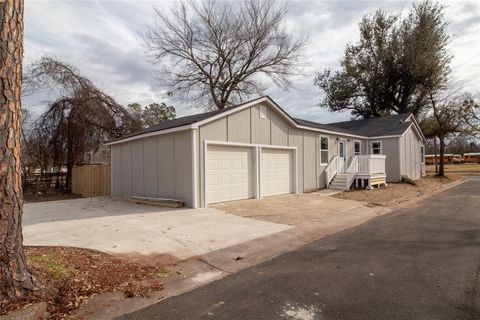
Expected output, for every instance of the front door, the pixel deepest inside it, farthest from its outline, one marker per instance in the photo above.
(342, 156)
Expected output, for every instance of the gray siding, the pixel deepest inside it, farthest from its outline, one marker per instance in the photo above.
(236, 131)
(150, 167)
(116, 155)
(391, 148)
(279, 130)
(259, 127)
(295, 139)
(158, 167)
(309, 161)
(165, 165)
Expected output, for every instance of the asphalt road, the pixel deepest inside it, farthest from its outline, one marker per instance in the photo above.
(414, 263)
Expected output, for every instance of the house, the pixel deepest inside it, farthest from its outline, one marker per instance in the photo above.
(256, 149)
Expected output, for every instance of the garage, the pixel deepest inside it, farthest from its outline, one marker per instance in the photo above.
(229, 173)
(276, 171)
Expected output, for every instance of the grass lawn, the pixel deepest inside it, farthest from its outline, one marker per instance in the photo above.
(463, 167)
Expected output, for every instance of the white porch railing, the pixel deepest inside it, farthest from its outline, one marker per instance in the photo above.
(361, 165)
(331, 170)
(371, 164)
(352, 170)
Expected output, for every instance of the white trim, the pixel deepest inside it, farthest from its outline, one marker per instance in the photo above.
(111, 173)
(263, 112)
(257, 171)
(194, 169)
(150, 134)
(337, 133)
(242, 144)
(371, 147)
(386, 137)
(320, 151)
(360, 148)
(345, 151)
(417, 126)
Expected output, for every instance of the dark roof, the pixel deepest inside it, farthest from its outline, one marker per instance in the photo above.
(179, 122)
(373, 127)
(381, 126)
(322, 126)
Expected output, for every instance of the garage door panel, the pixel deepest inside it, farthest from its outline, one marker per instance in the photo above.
(229, 173)
(276, 172)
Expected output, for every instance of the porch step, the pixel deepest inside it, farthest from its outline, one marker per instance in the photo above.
(339, 182)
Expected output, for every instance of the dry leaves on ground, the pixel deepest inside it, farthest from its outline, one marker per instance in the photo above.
(67, 277)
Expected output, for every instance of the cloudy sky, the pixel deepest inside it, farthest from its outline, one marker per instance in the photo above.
(101, 38)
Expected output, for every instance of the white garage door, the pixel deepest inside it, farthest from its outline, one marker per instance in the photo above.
(276, 172)
(229, 173)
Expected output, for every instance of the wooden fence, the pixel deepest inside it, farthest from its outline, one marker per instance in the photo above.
(91, 180)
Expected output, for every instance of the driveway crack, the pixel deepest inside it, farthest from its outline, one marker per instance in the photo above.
(214, 266)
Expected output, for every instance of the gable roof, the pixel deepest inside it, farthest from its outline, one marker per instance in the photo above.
(391, 125)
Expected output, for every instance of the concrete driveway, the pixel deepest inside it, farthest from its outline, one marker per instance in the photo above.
(138, 231)
(313, 213)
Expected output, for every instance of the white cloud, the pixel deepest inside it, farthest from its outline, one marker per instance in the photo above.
(102, 39)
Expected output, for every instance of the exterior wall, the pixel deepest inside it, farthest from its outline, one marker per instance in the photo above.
(158, 166)
(390, 148)
(410, 144)
(162, 166)
(295, 139)
(309, 161)
(246, 126)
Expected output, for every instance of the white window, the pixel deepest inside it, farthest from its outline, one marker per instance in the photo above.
(376, 147)
(263, 112)
(357, 147)
(422, 154)
(324, 151)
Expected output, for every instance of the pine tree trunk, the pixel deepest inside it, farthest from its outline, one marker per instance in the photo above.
(441, 169)
(15, 278)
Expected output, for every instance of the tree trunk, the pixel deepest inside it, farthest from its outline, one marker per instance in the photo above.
(441, 170)
(15, 278)
(435, 159)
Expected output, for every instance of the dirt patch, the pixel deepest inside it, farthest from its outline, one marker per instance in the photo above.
(54, 196)
(460, 168)
(68, 277)
(398, 192)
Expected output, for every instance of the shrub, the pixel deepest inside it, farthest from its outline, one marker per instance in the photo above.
(406, 179)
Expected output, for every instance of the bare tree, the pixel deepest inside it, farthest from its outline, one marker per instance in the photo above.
(472, 115)
(78, 122)
(446, 118)
(216, 52)
(15, 278)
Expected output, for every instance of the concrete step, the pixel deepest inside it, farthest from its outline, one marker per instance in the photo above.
(163, 202)
(342, 185)
(338, 187)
